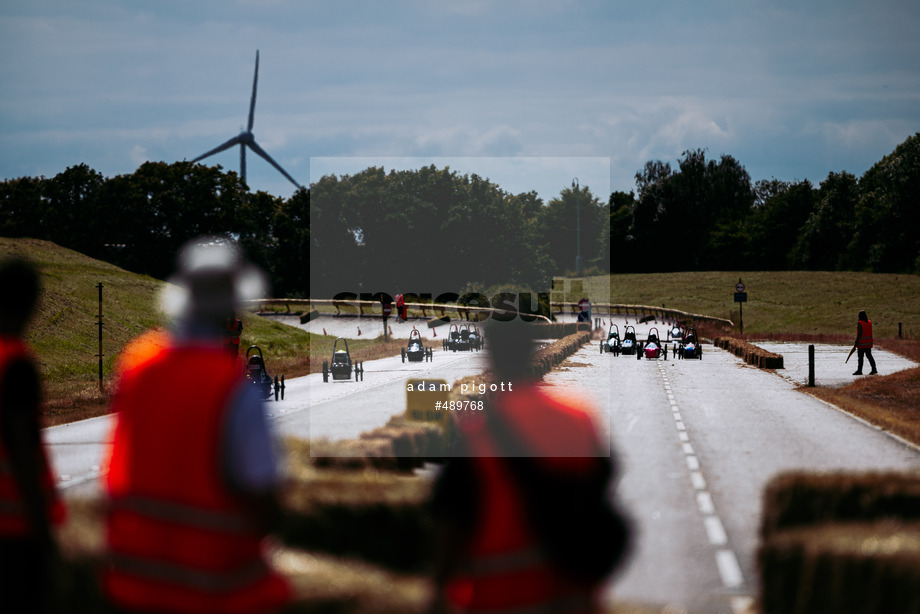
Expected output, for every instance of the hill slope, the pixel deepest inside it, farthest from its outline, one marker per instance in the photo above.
(64, 333)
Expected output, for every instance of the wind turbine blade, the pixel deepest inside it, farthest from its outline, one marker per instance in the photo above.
(243, 162)
(255, 147)
(252, 101)
(219, 148)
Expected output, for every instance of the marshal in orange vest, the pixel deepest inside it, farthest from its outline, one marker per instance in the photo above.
(504, 564)
(179, 539)
(864, 334)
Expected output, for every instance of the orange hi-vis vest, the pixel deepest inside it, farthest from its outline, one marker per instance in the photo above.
(14, 521)
(864, 330)
(179, 539)
(505, 570)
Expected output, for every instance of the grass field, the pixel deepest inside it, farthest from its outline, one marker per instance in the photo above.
(786, 305)
(789, 302)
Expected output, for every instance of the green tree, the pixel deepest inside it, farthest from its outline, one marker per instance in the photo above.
(336, 246)
(69, 213)
(775, 225)
(887, 229)
(574, 222)
(20, 203)
(621, 206)
(823, 239)
(290, 259)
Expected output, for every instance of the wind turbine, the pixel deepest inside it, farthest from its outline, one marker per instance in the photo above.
(246, 139)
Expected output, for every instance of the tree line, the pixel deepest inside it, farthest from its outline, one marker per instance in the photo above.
(436, 230)
(707, 215)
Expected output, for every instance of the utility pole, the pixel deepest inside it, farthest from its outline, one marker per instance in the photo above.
(577, 228)
(99, 324)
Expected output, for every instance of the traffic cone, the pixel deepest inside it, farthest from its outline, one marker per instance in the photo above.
(391, 330)
(435, 331)
(324, 331)
(359, 331)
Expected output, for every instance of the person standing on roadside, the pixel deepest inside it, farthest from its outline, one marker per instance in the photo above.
(863, 343)
(192, 479)
(232, 332)
(29, 504)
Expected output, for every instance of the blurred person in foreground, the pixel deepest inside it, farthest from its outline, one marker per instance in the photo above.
(525, 521)
(192, 471)
(29, 504)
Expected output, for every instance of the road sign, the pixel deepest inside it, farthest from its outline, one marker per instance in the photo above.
(387, 309)
(740, 297)
(739, 287)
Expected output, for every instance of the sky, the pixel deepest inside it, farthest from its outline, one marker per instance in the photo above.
(528, 93)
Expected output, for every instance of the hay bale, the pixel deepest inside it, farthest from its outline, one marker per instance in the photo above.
(327, 584)
(81, 544)
(355, 454)
(798, 498)
(556, 353)
(842, 568)
(376, 516)
(750, 353)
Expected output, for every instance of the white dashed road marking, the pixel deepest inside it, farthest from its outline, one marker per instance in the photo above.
(726, 561)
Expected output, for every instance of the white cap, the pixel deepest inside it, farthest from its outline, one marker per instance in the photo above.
(213, 279)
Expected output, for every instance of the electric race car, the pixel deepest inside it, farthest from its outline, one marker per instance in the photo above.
(675, 333)
(629, 345)
(465, 344)
(690, 346)
(341, 366)
(653, 348)
(453, 338)
(257, 375)
(612, 342)
(475, 338)
(414, 350)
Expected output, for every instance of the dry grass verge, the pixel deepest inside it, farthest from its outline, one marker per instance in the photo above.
(891, 402)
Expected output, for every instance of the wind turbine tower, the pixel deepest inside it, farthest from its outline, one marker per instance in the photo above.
(246, 139)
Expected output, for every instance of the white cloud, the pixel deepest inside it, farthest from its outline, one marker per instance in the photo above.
(138, 154)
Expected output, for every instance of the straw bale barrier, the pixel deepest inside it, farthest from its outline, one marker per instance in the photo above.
(322, 583)
(842, 568)
(555, 354)
(750, 353)
(840, 542)
(558, 330)
(798, 498)
(398, 446)
(378, 516)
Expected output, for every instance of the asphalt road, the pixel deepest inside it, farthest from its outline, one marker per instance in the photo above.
(696, 441)
(310, 409)
(345, 409)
